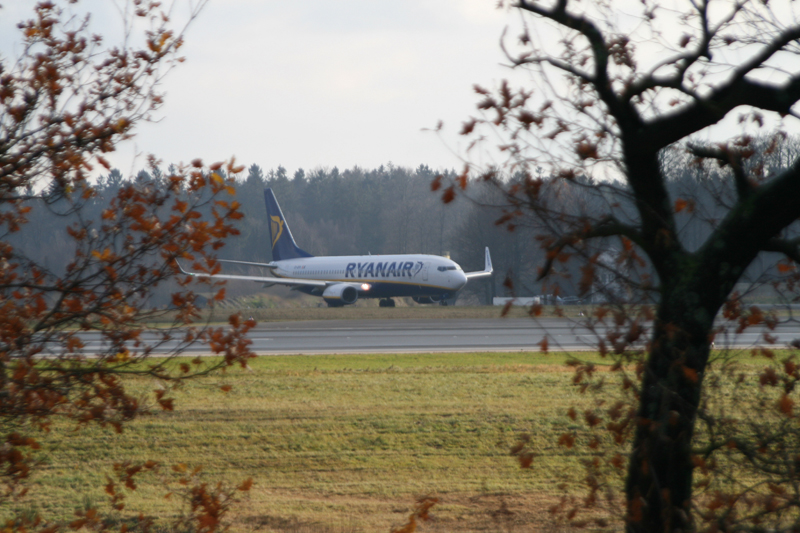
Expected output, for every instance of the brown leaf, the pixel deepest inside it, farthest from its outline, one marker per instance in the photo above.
(587, 150)
(786, 405)
(591, 418)
(526, 460)
(448, 195)
(468, 126)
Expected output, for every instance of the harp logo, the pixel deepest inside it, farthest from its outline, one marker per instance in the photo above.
(277, 228)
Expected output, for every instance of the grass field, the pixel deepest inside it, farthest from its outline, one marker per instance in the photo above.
(343, 443)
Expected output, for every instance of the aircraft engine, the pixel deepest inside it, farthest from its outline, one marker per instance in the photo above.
(341, 292)
(423, 299)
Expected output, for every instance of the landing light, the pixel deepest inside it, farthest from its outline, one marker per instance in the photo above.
(365, 286)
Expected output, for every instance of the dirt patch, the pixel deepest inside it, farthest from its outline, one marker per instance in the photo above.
(467, 513)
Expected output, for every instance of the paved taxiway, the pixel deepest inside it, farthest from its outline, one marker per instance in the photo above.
(454, 335)
(349, 336)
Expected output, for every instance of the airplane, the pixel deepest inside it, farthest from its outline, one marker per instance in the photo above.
(342, 280)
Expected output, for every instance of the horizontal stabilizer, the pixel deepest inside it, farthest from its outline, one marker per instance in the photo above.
(265, 265)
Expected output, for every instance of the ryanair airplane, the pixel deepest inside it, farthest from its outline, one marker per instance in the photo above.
(341, 280)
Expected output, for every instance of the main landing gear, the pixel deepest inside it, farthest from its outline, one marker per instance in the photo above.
(386, 302)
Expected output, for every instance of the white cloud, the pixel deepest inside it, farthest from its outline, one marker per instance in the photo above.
(320, 83)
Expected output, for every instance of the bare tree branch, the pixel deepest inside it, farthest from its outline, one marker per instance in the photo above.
(788, 247)
(730, 157)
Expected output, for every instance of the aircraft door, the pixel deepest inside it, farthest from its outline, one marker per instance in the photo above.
(425, 271)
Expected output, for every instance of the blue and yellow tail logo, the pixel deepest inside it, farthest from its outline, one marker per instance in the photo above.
(283, 245)
(276, 225)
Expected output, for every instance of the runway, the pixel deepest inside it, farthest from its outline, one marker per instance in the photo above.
(387, 336)
(458, 335)
(409, 336)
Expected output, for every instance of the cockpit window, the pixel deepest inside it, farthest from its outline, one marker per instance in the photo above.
(444, 268)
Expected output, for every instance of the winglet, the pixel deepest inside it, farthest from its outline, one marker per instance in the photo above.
(182, 270)
(487, 269)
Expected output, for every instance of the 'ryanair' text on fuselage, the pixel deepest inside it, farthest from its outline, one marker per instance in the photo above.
(382, 270)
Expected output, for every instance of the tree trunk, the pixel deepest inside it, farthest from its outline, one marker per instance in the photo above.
(659, 480)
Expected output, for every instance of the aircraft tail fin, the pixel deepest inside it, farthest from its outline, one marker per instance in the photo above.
(282, 242)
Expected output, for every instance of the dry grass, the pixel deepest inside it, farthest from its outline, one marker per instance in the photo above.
(344, 443)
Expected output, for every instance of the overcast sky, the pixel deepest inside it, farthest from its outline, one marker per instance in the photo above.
(316, 82)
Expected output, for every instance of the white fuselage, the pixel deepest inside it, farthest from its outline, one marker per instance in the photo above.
(380, 275)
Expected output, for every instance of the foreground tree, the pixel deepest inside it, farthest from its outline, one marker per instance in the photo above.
(615, 86)
(64, 103)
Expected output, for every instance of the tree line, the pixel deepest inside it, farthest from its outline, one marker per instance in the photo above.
(391, 209)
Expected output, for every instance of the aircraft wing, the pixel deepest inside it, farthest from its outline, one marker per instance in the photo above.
(486, 272)
(262, 279)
